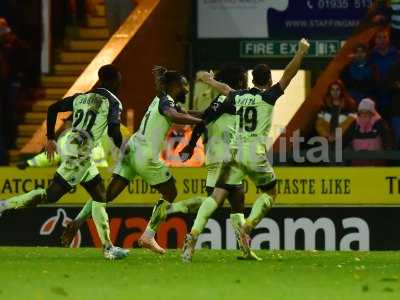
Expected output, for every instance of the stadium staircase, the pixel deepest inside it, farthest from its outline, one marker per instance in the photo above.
(80, 47)
(149, 19)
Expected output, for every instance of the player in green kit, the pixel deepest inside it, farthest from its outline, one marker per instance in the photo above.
(216, 142)
(41, 160)
(248, 149)
(95, 113)
(142, 157)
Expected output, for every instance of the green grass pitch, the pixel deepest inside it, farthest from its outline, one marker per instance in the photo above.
(56, 273)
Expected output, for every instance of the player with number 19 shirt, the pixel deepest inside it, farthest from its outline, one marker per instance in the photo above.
(253, 109)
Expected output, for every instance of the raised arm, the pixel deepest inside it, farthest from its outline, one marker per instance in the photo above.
(293, 67)
(222, 88)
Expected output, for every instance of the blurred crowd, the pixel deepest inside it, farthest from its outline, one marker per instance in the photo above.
(364, 103)
(15, 75)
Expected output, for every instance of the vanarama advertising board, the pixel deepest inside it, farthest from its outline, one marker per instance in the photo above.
(296, 186)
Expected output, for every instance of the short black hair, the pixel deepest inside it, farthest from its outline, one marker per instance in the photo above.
(261, 74)
(108, 73)
(231, 74)
(171, 77)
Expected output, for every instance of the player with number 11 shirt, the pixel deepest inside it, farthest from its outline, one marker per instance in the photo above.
(141, 157)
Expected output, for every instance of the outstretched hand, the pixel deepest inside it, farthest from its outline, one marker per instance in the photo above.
(206, 76)
(51, 149)
(304, 45)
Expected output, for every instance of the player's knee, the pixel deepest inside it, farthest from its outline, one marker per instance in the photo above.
(270, 190)
(171, 195)
(101, 197)
(272, 193)
(209, 191)
(110, 196)
(50, 197)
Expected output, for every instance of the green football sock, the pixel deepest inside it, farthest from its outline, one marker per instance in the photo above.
(190, 205)
(100, 219)
(158, 216)
(260, 208)
(85, 213)
(30, 199)
(237, 220)
(205, 211)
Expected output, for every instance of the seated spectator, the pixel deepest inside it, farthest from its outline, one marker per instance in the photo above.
(394, 105)
(338, 113)
(383, 57)
(369, 133)
(359, 76)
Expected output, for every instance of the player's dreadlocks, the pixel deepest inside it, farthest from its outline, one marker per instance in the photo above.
(164, 78)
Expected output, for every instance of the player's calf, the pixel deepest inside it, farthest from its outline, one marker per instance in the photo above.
(69, 233)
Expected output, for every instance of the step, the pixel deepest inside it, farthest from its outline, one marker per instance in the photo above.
(22, 141)
(69, 69)
(86, 45)
(13, 156)
(77, 57)
(101, 10)
(35, 117)
(93, 33)
(27, 130)
(42, 105)
(96, 22)
(58, 81)
(55, 93)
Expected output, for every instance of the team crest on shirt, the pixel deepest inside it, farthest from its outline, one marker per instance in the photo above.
(215, 106)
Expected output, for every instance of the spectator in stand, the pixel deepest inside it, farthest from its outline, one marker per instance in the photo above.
(383, 57)
(388, 12)
(338, 113)
(15, 54)
(394, 106)
(359, 76)
(117, 12)
(369, 133)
